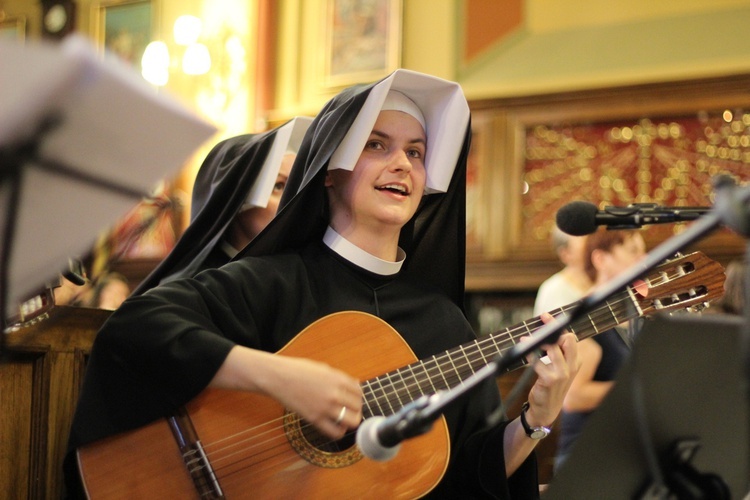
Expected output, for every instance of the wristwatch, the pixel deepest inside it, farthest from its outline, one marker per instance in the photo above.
(540, 432)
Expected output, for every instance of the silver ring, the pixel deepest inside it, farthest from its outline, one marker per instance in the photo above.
(341, 415)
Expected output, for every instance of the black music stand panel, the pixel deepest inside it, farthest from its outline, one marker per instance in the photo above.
(693, 387)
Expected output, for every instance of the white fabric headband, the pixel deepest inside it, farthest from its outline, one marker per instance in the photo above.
(396, 101)
(288, 140)
(445, 116)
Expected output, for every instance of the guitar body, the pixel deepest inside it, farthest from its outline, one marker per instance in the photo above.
(260, 451)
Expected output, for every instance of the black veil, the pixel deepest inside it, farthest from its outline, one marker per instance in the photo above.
(435, 238)
(226, 176)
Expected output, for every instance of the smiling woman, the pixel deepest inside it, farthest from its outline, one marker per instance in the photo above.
(336, 249)
(392, 163)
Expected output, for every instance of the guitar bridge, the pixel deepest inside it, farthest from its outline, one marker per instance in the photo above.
(196, 461)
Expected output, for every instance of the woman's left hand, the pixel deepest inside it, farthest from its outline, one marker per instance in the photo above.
(553, 379)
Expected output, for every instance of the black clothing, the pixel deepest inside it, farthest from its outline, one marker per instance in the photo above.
(178, 363)
(160, 349)
(221, 187)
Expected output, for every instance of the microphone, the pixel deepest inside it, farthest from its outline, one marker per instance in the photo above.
(579, 218)
(379, 438)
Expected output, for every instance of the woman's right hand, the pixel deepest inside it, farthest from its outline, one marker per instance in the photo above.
(316, 391)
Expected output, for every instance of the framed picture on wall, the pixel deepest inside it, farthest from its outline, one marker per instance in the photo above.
(125, 28)
(13, 28)
(362, 40)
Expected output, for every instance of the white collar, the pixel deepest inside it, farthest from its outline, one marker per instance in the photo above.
(356, 255)
(229, 249)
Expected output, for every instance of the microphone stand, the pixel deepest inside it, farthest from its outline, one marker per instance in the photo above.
(417, 417)
(730, 209)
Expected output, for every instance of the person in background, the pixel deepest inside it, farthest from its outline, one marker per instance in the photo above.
(608, 253)
(571, 282)
(69, 293)
(109, 291)
(733, 301)
(236, 193)
(74, 286)
(373, 220)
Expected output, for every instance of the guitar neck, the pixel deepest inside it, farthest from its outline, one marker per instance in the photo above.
(388, 393)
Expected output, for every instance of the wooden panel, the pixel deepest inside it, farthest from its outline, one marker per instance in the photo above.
(528, 178)
(16, 381)
(41, 370)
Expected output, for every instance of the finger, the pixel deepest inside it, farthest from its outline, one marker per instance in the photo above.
(331, 429)
(351, 420)
(353, 396)
(569, 346)
(565, 345)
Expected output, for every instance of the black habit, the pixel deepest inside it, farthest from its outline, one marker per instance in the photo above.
(162, 348)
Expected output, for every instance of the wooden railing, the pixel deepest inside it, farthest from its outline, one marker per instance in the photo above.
(41, 370)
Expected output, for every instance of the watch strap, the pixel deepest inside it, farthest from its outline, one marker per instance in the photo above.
(540, 432)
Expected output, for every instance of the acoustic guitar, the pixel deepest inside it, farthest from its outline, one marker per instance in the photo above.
(243, 445)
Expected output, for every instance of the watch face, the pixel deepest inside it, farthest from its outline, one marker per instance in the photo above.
(56, 18)
(539, 433)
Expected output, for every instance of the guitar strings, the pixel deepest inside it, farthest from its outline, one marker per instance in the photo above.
(275, 443)
(281, 439)
(436, 360)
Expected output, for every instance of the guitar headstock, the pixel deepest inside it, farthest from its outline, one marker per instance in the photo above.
(686, 282)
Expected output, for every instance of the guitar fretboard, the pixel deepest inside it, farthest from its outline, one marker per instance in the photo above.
(388, 393)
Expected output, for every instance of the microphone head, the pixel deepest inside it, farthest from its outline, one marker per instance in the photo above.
(577, 218)
(368, 441)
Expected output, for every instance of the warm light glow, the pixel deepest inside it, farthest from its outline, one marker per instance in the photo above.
(197, 60)
(187, 29)
(155, 63)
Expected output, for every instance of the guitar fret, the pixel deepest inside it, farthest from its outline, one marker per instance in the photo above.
(429, 379)
(368, 408)
(468, 361)
(525, 325)
(614, 316)
(455, 370)
(494, 343)
(395, 392)
(592, 323)
(383, 396)
(441, 373)
(481, 353)
(572, 330)
(418, 384)
(634, 302)
(409, 387)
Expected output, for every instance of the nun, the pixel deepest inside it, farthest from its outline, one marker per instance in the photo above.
(373, 221)
(236, 193)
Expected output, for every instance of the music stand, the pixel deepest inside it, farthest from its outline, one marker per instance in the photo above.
(82, 139)
(688, 372)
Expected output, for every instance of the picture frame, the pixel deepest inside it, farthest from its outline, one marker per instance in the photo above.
(362, 41)
(13, 28)
(528, 172)
(125, 27)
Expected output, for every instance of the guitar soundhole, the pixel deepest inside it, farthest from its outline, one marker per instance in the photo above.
(318, 449)
(324, 443)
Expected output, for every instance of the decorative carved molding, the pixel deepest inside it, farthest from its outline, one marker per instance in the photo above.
(660, 142)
